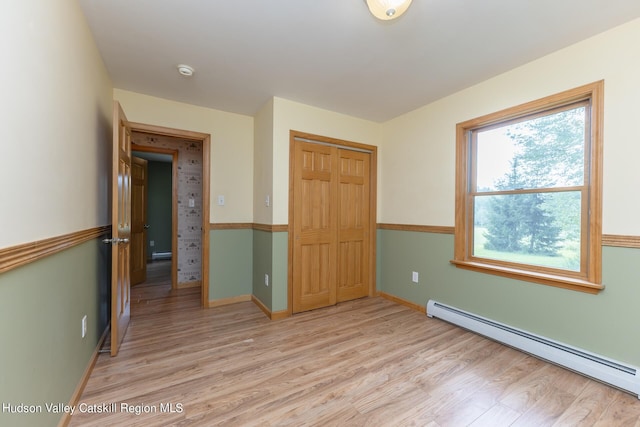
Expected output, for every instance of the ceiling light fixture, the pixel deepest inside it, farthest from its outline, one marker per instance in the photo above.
(185, 70)
(388, 9)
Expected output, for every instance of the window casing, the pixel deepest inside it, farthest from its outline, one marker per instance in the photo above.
(529, 191)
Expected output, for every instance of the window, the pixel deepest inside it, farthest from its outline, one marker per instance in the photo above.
(529, 191)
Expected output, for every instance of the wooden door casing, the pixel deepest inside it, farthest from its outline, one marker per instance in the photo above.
(139, 181)
(331, 223)
(120, 229)
(205, 140)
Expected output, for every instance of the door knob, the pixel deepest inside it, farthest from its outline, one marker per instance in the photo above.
(146, 226)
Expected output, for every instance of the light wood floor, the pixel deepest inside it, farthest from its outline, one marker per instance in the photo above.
(369, 362)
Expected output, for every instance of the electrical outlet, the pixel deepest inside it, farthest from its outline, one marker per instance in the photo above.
(266, 280)
(84, 326)
(414, 277)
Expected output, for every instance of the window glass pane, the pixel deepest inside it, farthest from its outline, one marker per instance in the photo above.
(539, 229)
(544, 152)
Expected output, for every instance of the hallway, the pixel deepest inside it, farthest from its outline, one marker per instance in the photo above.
(155, 296)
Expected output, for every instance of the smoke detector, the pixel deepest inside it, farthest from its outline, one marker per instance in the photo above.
(185, 70)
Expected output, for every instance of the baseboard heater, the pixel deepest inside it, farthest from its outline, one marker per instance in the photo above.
(614, 373)
(157, 256)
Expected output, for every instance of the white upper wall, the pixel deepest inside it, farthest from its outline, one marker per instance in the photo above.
(263, 164)
(55, 158)
(242, 146)
(418, 165)
(231, 147)
(56, 123)
(289, 115)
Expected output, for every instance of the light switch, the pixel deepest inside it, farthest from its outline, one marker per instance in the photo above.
(267, 201)
(220, 200)
(192, 203)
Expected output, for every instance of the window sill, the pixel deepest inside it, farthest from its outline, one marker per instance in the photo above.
(564, 282)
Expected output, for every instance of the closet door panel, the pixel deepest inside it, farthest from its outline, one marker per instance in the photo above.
(353, 225)
(315, 225)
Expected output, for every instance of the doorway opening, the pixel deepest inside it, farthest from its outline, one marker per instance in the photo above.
(156, 212)
(190, 171)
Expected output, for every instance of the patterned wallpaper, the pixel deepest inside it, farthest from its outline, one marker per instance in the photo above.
(189, 249)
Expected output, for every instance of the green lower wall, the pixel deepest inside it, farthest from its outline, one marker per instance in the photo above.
(42, 354)
(270, 257)
(159, 201)
(41, 304)
(263, 264)
(280, 264)
(599, 323)
(238, 261)
(230, 263)
(606, 324)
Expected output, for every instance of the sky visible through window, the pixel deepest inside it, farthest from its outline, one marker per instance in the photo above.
(495, 154)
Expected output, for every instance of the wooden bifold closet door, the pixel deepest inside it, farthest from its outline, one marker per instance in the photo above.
(331, 225)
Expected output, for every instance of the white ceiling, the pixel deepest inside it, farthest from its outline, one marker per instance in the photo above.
(332, 54)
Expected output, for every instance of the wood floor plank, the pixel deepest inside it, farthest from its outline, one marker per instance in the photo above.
(589, 406)
(497, 415)
(624, 411)
(368, 362)
(546, 410)
(525, 393)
